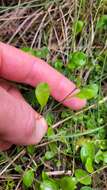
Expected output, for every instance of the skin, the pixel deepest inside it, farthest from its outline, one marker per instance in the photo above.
(19, 123)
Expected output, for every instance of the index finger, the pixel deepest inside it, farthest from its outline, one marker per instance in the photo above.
(19, 66)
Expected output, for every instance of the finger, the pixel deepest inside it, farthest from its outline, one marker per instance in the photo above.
(21, 67)
(4, 145)
(19, 123)
(11, 89)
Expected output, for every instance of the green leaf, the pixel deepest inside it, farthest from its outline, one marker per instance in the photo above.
(45, 176)
(81, 141)
(76, 60)
(41, 53)
(86, 188)
(53, 146)
(49, 118)
(29, 50)
(99, 157)
(103, 144)
(88, 92)
(38, 53)
(68, 183)
(50, 133)
(49, 155)
(28, 178)
(44, 52)
(18, 169)
(42, 94)
(48, 185)
(78, 26)
(87, 150)
(83, 177)
(89, 165)
(102, 22)
(58, 64)
(105, 157)
(31, 149)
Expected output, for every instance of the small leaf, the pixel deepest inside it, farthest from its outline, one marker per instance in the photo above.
(105, 157)
(28, 178)
(83, 177)
(41, 53)
(50, 133)
(29, 50)
(53, 146)
(103, 144)
(89, 165)
(48, 185)
(99, 157)
(38, 53)
(44, 176)
(102, 22)
(78, 26)
(18, 169)
(31, 149)
(87, 150)
(77, 60)
(58, 64)
(49, 155)
(42, 94)
(68, 183)
(81, 141)
(86, 188)
(49, 118)
(88, 92)
(44, 52)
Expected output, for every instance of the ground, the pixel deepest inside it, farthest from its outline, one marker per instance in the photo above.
(72, 37)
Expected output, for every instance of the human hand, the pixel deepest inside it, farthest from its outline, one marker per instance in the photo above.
(19, 123)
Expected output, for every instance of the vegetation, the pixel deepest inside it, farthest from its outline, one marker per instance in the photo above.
(72, 37)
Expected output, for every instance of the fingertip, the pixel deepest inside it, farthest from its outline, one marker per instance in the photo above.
(75, 103)
(40, 129)
(4, 146)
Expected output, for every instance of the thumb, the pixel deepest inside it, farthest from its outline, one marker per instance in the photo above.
(19, 123)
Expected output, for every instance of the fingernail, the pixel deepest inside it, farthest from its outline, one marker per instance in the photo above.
(4, 146)
(39, 131)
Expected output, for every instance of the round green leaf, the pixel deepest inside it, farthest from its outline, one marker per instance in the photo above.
(86, 188)
(68, 183)
(88, 92)
(58, 64)
(49, 155)
(77, 60)
(48, 185)
(89, 165)
(78, 26)
(87, 150)
(42, 94)
(83, 177)
(28, 178)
